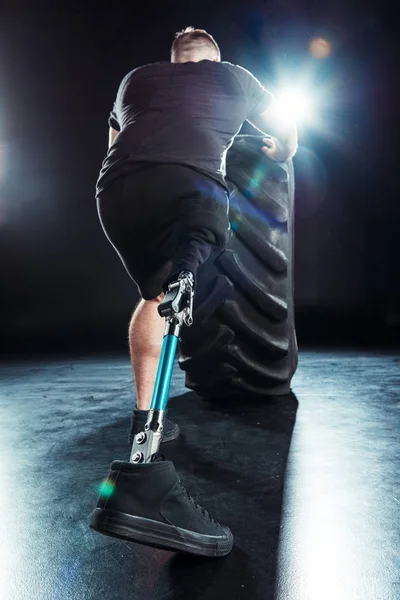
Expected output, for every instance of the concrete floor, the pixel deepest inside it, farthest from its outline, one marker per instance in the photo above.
(309, 483)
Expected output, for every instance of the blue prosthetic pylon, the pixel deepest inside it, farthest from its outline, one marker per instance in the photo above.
(177, 308)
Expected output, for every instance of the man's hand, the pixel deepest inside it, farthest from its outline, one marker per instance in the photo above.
(281, 143)
(275, 150)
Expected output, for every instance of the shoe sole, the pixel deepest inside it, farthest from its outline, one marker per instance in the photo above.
(159, 535)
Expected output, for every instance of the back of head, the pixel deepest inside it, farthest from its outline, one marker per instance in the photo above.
(193, 45)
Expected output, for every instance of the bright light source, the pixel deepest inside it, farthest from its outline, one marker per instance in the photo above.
(294, 105)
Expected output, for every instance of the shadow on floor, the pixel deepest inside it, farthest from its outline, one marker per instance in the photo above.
(236, 450)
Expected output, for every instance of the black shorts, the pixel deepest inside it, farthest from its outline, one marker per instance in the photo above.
(148, 214)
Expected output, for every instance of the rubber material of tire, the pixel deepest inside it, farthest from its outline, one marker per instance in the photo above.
(243, 338)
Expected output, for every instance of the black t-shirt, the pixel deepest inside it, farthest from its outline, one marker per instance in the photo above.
(181, 113)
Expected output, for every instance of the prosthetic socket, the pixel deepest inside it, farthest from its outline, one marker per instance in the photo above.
(177, 309)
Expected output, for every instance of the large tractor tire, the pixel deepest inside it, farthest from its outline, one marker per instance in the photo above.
(243, 337)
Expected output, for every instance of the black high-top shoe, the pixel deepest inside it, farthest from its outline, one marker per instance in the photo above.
(146, 503)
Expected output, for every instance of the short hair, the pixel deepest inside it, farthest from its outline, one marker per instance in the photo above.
(190, 41)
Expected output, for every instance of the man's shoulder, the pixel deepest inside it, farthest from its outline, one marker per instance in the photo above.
(239, 71)
(142, 69)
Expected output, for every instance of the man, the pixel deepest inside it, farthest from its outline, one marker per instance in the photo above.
(163, 204)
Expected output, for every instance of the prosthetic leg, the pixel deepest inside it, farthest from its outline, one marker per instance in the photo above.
(143, 500)
(177, 309)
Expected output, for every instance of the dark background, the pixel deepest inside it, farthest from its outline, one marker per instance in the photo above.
(61, 284)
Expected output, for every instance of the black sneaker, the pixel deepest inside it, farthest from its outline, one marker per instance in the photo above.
(138, 421)
(147, 504)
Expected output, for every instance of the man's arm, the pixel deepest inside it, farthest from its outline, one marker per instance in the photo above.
(283, 143)
(112, 134)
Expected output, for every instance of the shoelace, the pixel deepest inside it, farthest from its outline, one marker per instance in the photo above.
(160, 457)
(197, 506)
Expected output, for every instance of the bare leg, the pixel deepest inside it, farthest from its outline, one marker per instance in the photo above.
(146, 332)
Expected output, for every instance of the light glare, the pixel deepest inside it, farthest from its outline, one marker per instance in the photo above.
(294, 105)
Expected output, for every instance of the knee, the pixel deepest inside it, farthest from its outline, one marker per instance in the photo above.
(158, 299)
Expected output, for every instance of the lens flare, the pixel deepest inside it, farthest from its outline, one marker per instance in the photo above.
(320, 48)
(106, 488)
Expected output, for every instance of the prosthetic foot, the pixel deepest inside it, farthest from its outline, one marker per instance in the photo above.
(143, 500)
